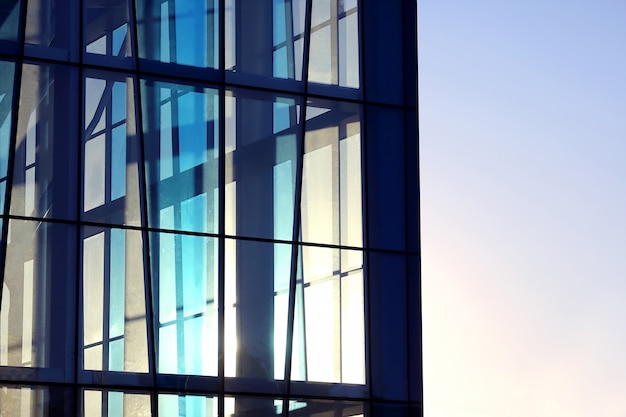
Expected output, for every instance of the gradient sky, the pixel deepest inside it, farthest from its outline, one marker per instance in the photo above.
(523, 196)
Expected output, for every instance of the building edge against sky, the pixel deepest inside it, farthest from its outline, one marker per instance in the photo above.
(209, 208)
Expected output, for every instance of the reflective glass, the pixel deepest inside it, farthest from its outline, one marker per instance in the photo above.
(266, 38)
(261, 157)
(334, 56)
(9, 18)
(35, 401)
(111, 150)
(257, 276)
(331, 180)
(181, 146)
(113, 301)
(44, 176)
(108, 403)
(329, 328)
(7, 69)
(180, 405)
(179, 31)
(184, 276)
(106, 29)
(49, 25)
(36, 319)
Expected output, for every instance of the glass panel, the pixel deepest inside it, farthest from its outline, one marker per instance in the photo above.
(331, 181)
(184, 272)
(334, 57)
(106, 29)
(181, 148)
(329, 332)
(50, 24)
(252, 406)
(36, 325)
(9, 18)
(266, 39)
(180, 405)
(6, 112)
(261, 159)
(44, 181)
(326, 408)
(256, 296)
(110, 151)
(113, 303)
(104, 403)
(22, 401)
(179, 31)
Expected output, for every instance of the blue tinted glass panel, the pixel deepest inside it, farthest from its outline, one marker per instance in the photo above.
(48, 27)
(6, 112)
(9, 18)
(185, 279)
(181, 148)
(179, 31)
(105, 29)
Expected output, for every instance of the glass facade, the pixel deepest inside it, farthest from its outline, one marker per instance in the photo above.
(209, 208)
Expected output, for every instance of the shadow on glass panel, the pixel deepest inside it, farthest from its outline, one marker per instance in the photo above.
(262, 140)
(9, 18)
(111, 150)
(185, 305)
(332, 180)
(34, 401)
(265, 38)
(36, 317)
(181, 147)
(114, 326)
(179, 31)
(50, 31)
(107, 29)
(257, 276)
(44, 175)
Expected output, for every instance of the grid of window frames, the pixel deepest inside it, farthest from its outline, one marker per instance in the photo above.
(209, 208)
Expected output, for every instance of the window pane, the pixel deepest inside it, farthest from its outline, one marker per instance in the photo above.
(6, 112)
(334, 57)
(261, 160)
(106, 29)
(113, 303)
(36, 324)
(44, 182)
(105, 403)
(331, 181)
(329, 328)
(181, 148)
(257, 294)
(266, 37)
(179, 31)
(184, 270)
(110, 151)
(9, 18)
(49, 24)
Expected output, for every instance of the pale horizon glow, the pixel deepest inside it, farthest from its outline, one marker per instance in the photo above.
(523, 207)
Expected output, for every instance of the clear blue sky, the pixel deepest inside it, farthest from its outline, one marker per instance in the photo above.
(523, 195)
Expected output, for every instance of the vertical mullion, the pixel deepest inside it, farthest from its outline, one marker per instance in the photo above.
(150, 301)
(295, 247)
(365, 198)
(221, 256)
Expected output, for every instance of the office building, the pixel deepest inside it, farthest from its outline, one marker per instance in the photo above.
(209, 208)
